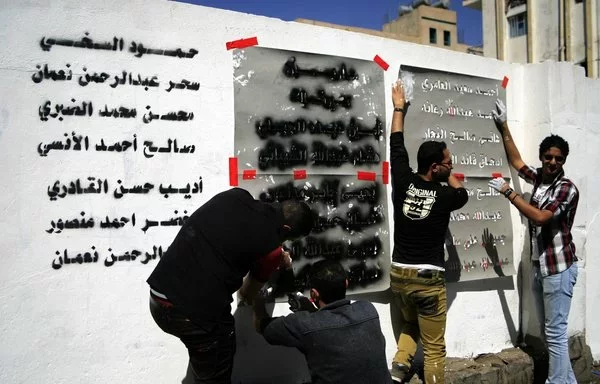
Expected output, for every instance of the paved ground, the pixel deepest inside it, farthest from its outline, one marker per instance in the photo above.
(511, 366)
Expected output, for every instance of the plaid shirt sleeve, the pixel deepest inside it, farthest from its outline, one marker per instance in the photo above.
(528, 173)
(564, 196)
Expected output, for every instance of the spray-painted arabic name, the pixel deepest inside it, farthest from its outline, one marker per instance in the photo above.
(117, 44)
(92, 257)
(428, 85)
(95, 185)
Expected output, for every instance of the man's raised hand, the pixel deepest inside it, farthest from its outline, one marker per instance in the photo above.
(499, 114)
(398, 97)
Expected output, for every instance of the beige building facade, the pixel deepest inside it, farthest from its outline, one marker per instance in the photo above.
(422, 22)
(531, 31)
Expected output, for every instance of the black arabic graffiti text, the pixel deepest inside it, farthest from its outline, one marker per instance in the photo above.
(117, 44)
(274, 154)
(92, 257)
(93, 185)
(124, 77)
(285, 128)
(328, 192)
(48, 110)
(75, 142)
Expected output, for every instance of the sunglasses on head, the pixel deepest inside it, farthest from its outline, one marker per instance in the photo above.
(559, 159)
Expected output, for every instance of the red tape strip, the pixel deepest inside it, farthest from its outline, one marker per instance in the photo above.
(505, 82)
(242, 43)
(386, 172)
(459, 176)
(381, 62)
(233, 171)
(300, 174)
(369, 176)
(249, 174)
(496, 174)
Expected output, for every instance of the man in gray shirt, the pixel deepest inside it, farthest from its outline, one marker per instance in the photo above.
(342, 341)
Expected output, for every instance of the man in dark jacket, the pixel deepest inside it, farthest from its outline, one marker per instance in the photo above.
(230, 236)
(342, 341)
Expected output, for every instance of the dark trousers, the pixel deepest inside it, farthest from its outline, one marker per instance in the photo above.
(211, 349)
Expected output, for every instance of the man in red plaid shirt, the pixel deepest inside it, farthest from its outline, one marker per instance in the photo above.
(551, 212)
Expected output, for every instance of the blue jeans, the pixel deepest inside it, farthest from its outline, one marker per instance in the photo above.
(553, 298)
(211, 349)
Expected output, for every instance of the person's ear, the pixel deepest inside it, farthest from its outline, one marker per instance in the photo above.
(314, 295)
(347, 283)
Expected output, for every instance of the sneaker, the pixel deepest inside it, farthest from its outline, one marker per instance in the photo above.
(399, 372)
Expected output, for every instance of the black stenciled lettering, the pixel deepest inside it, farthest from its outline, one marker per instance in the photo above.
(326, 193)
(276, 155)
(354, 130)
(363, 275)
(368, 194)
(299, 95)
(291, 69)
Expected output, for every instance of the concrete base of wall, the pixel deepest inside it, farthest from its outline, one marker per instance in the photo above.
(517, 366)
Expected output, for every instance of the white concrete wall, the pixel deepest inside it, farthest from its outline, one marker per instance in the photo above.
(90, 323)
(563, 104)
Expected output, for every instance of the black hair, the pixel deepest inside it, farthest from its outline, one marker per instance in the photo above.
(329, 278)
(298, 216)
(430, 152)
(554, 141)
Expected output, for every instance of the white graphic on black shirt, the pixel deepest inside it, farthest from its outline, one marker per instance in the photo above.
(418, 202)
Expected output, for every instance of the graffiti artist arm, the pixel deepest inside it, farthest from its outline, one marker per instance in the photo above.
(398, 100)
(512, 152)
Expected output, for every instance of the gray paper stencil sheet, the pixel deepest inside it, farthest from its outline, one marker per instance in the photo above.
(479, 243)
(320, 113)
(307, 124)
(456, 109)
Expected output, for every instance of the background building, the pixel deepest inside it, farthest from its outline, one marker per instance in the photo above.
(530, 31)
(422, 22)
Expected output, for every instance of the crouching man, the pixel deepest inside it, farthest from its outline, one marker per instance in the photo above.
(342, 341)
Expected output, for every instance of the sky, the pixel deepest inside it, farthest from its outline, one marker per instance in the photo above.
(370, 14)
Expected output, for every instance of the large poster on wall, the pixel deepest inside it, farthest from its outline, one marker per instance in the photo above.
(456, 109)
(311, 127)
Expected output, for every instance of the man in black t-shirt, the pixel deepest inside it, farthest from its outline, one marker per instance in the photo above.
(422, 207)
(232, 235)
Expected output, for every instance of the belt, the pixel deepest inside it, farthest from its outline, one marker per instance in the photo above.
(421, 273)
(429, 273)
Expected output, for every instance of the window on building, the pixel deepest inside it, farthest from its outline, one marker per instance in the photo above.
(447, 38)
(518, 24)
(432, 36)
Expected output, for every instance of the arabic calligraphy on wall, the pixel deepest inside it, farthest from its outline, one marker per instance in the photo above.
(55, 109)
